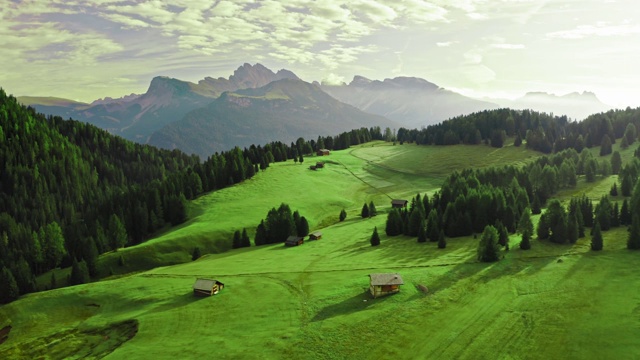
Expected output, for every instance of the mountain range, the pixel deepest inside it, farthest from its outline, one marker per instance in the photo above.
(256, 105)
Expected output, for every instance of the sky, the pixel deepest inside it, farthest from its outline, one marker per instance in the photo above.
(89, 49)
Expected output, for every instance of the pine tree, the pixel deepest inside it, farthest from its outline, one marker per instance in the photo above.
(614, 190)
(195, 255)
(433, 230)
(117, 232)
(8, 286)
(503, 235)
(536, 207)
(365, 211)
(525, 223)
(245, 241)
(375, 238)
(415, 220)
(422, 232)
(79, 273)
(372, 209)
(633, 241)
(343, 215)
(442, 242)
(615, 215)
(488, 248)
(596, 238)
(394, 223)
(525, 243)
(235, 243)
(261, 234)
(572, 228)
(303, 229)
(625, 215)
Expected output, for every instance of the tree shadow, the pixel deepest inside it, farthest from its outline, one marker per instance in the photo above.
(358, 302)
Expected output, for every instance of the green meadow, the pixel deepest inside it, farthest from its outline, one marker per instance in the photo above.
(311, 302)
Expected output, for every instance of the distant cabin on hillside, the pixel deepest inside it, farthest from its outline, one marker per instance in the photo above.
(384, 284)
(398, 203)
(294, 241)
(323, 152)
(320, 164)
(315, 235)
(207, 287)
(313, 167)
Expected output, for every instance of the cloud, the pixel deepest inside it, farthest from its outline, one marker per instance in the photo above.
(333, 79)
(508, 46)
(445, 43)
(600, 29)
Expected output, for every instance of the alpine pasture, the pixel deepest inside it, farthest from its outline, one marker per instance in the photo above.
(311, 301)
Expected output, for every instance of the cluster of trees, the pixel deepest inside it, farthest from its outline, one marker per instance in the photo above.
(543, 132)
(367, 210)
(279, 224)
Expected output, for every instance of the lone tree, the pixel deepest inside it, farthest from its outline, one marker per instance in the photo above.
(196, 254)
(236, 240)
(525, 243)
(372, 209)
(365, 211)
(244, 240)
(343, 215)
(488, 247)
(596, 238)
(375, 238)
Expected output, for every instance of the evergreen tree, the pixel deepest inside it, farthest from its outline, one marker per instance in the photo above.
(117, 232)
(605, 146)
(245, 241)
(261, 234)
(415, 220)
(572, 228)
(488, 248)
(303, 229)
(8, 287)
(596, 238)
(23, 276)
(422, 232)
(525, 243)
(53, 247)
(616, 162)
(195, 255)
(536, 207)
(614, 190)
(525, 223)
(442, 242)
(394, 223)
(543, 227)
(633, 241)
(503, 235)
(79, 273)
(375, 238)
(301, 159)
(343, 215)
(372, 209)
(625, 214)
(615, 215)
(433, 229)
(557, 222)
(365, 211)
(90, 256)
(236, 242)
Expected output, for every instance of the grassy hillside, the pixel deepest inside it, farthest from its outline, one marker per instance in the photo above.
(309, 302)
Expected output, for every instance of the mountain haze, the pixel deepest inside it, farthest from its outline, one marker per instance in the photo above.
(410, 101)
(283, 110)
(575, 105)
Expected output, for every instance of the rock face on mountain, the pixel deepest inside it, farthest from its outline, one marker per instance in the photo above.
(283, 110)
(167, 100)
(575, 105)
(411, 102)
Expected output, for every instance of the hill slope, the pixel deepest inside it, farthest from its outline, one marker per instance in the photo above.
(410, 101)
(283, 110)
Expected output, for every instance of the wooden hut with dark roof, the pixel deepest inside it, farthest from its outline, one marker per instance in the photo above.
(317, 235)
(294, 241)
(384, 284)
(207, 287)
(399, 203)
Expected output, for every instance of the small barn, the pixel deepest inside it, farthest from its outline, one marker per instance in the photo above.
(207, 287)
(315, 235)
(384, 284)
(399, 203)
(294, 241)
(323, 152)
(320, 164)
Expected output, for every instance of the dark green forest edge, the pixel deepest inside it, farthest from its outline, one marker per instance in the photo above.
(70, 191)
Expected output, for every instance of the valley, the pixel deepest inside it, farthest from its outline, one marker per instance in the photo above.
(310, 301)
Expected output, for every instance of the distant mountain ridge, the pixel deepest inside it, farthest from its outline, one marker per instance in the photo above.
(283, 110)
(167, 100)
(575, 105)
(410, 101)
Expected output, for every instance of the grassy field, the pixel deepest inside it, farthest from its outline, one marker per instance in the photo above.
(310, 302)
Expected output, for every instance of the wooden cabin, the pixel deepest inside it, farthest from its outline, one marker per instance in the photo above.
(320, 164)
(399, 203)
(323, 152)
(312, 167)
(294, 241)
(315, 235)
(384, 284)
(207, 287)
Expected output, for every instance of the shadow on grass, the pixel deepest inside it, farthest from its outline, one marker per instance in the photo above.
(360, 301)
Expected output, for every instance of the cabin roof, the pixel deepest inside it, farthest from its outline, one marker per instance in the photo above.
(399, 202)
(317, 233)
(205, 284)
(293, 239)
(386, 279)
